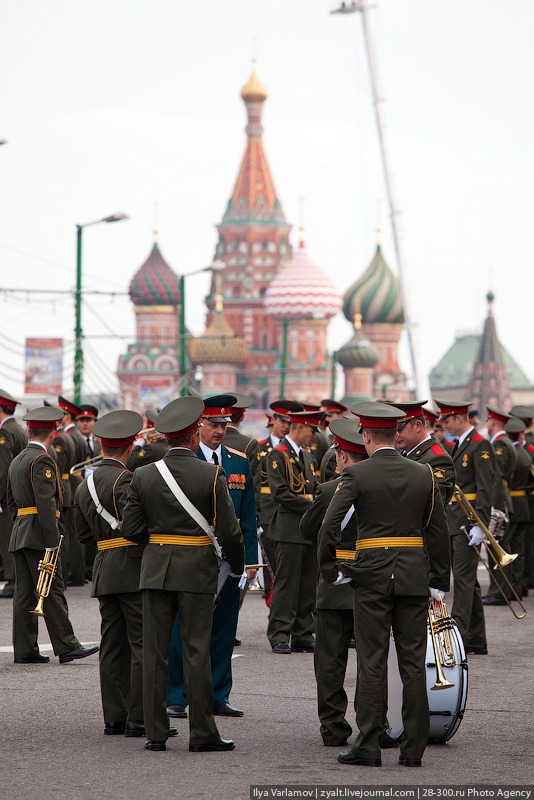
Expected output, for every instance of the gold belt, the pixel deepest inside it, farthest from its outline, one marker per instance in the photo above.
(65, 477)
(518, 493)
(110, 544)
(23, 512)
(469, 497)
(390, 541)
(265, 490)
(309, 496)
(346, 555)
(168, 538)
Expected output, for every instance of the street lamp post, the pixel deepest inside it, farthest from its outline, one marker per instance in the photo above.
(217, 266)
(78, 332)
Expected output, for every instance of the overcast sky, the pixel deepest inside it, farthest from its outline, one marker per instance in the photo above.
(111, 106)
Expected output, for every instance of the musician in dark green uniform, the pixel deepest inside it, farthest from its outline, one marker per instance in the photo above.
(281, 423)
(291, 476)
(150, 446)
(174, 507)
(526, 413)
(34, 495)
(417, 444)
(13, 439)
(335, 614)
(98, 509)
(73, 556)
(402, 551)
(474, 461)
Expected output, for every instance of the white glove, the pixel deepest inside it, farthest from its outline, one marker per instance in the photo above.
(476, 536)
(51, 549)
(436, 595)
(498, 523)
(341, 579)
(260, 531)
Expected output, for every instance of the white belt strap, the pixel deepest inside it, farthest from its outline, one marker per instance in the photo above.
(347, 518)
(113, 523)
(187, 505)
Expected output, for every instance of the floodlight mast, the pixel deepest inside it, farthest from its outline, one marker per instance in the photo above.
(422, 386)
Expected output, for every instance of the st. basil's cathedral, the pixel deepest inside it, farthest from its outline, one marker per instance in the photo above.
(268, 310)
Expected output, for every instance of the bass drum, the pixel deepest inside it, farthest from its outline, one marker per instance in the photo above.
(447, 706)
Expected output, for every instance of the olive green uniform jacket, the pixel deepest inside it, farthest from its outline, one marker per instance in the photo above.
(431, 452)
(13, 440)
(251, 448)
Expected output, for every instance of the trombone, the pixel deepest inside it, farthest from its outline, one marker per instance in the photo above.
(47, 571)
(89, 462)
(440, 625)
(500, 557)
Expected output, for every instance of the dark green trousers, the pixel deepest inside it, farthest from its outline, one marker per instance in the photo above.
(6, 524)
(293, 598)
(196, 611)
(513, 542)
(120, 656)
(74, 555)
(467, 608)
(25, 625)
(374, 615)
(335, 629)
(268, 549)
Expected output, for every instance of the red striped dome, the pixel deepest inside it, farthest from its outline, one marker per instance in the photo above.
(301, 291)
(155, 283)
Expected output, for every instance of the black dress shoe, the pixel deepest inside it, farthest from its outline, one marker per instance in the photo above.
(282, 647)
(303, 648)
(226, 710)
(176, 710)
(350, 758)
(217, 745)
(155, 745)
(388, 741)
(409, 762)
(136, 730)
(493, 601)
(6, 593)
(114, 728)
(32, 660)
(477, 649)
(78, 652)
(237, 642)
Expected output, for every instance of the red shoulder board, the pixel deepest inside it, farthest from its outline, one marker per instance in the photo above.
(530, 448)
(282, 447)
(56, 434)
(476, 437)
(438, 450)
(262, 441)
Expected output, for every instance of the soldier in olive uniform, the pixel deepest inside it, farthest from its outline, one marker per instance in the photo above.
(34, 495)
(291, 476)
(401, 551)
(12, 441)
(515, 539)
(74, 551)
(174, 506)
(335, 614)
(526, 413)
(414, 442)
(474, 461)
(244, 444)
(98, 510)
(149, 447)
(281, 423)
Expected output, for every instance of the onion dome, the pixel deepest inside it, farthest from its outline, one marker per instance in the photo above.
(219, 343)
(254, 91)
(376, 295)
(301, 290)
(358, 351)
(155, 283)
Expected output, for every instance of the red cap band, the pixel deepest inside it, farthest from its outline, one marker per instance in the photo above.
(379, 422)
(218, 411)
(499, 417)
(7, 403)
(350, 446)
(446, 411)
(191, 429)
(43, 423)
(118, 442)
(86, 414)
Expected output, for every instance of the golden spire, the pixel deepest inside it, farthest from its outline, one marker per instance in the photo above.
(156, 231)
(254, 91)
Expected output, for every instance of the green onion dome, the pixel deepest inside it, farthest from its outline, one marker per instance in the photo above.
(376, 295)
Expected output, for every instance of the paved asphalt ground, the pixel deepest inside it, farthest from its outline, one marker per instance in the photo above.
(53, 745)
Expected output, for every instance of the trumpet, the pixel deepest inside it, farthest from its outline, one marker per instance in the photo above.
(47, 570)
(499, 556)
(89, 462)
(440, 626)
